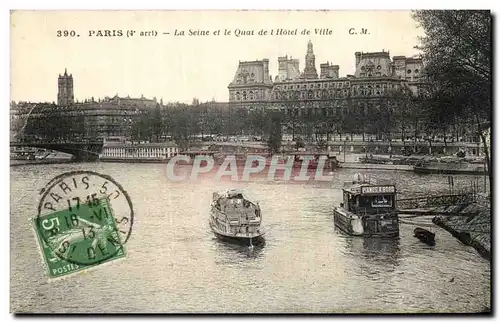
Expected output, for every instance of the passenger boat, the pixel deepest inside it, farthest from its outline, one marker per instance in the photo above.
(367, 209)
(234, 218)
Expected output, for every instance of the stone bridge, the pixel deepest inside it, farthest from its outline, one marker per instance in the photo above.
(81, 150)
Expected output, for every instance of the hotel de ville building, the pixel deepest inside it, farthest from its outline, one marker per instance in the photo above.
(325, 92)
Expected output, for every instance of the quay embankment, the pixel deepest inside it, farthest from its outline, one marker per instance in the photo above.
(471, 224)
(14, 162)
(358, 165)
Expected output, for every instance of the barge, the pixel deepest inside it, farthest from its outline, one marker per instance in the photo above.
(367, 209)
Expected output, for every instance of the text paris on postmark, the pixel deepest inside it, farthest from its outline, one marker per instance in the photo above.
(84, 219)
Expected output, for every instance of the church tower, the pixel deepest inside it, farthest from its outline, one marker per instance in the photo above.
(310, 69)
(65, 89)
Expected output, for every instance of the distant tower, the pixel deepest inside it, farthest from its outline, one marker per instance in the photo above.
(310, 69)
(65, 89)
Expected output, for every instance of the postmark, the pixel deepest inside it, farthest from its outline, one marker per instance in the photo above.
(84, 219)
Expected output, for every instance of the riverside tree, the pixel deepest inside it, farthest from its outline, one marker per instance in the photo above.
(274, 125)
(457, 57)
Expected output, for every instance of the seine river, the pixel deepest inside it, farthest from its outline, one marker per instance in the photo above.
(175, 264)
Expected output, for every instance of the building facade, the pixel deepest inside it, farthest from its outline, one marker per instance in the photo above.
(375, 76)
(73, 120)
(118, 150)
(81, 120)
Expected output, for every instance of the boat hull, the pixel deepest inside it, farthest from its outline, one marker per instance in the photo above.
(350, 225)
(246, 241)
(366, 227)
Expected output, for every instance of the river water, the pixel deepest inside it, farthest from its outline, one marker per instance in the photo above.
(175, 264)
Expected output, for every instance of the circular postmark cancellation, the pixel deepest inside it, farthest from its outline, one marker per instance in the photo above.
(84, 219)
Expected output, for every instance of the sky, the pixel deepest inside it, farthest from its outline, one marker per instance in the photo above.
(179, 68)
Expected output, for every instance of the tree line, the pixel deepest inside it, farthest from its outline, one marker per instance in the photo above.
(399, 114)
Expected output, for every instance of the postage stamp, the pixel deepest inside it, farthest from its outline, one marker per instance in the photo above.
(84, 220)
(78, 237)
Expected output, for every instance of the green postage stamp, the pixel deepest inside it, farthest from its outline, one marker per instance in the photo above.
(78, 237)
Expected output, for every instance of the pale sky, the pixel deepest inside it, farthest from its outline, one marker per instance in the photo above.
(178, 68)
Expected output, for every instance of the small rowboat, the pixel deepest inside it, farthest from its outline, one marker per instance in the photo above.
(425, 236)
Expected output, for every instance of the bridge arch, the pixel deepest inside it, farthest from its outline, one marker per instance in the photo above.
(82, 151)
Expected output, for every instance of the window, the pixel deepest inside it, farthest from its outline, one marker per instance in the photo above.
(409, 71)
(379, 67)
(362, 68)
(416, 71)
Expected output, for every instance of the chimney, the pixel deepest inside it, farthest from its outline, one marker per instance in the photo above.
(265, 64)
(335, 71)
(323, 70)
(358, 57)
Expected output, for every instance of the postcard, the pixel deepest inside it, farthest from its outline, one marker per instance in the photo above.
(270, 162)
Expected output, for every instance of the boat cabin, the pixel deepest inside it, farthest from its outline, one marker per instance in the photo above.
(365, 198)
(237, 210)
(234, 194)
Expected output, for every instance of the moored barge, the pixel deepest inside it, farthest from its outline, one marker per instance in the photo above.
(367, 209)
